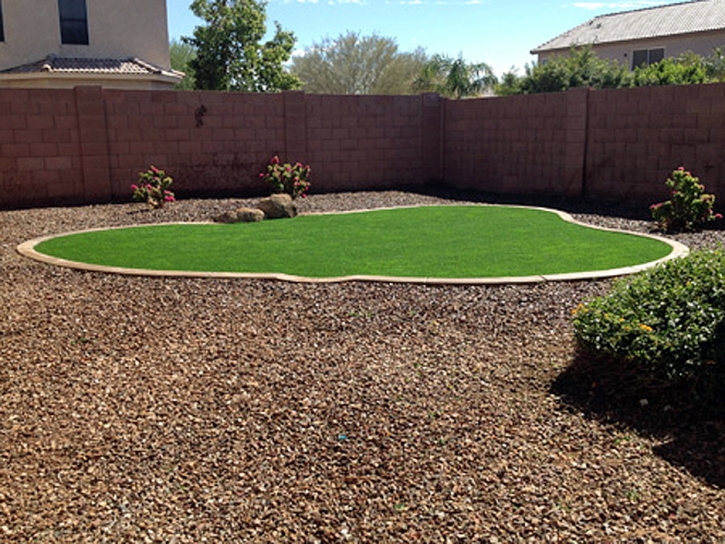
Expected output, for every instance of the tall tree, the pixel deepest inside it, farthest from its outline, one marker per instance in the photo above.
(580, 68)
(715, 65)
(455, 78)
(354, 64)
(230, 55)
(181, 55)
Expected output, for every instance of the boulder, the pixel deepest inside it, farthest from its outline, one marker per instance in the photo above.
(240, 215)
(226, 217)
(249, 215)
(278, 206)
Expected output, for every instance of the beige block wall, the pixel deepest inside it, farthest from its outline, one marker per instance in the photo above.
(117, 29)
(701, 44)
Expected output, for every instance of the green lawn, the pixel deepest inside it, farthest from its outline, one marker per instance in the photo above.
(432, 241)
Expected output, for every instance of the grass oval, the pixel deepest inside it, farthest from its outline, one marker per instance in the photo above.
(426, 242)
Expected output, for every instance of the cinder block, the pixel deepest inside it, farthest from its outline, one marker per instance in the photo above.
(44, 150)
(34, 164)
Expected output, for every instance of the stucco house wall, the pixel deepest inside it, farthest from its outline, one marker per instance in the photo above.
(128, 29)
(701, 44)
(697, 26)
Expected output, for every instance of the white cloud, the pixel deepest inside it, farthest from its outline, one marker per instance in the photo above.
(441, 2)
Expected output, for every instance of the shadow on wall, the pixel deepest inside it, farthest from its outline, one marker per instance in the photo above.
(690, 424)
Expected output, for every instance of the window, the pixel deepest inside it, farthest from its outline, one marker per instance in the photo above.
(2, 32)
(73, 22)
(645, 57)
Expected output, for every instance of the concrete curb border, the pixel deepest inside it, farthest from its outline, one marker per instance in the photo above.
(678, 250)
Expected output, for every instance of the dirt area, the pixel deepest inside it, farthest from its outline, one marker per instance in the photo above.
(195, 410)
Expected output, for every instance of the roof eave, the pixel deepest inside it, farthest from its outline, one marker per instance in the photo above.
(170, 78)
(567, 47)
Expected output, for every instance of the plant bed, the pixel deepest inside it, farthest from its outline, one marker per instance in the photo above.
(180, 409)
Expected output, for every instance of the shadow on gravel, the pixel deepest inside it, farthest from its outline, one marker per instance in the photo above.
(691, 426)
(619, 208)
(626, 209)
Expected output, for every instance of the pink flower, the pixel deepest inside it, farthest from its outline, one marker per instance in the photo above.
(718, 216)
(275, 160)
(134, 187)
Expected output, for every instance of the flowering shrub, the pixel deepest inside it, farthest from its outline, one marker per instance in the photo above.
(153, 188)
(670, 318)
(287, 178)
(689, 206)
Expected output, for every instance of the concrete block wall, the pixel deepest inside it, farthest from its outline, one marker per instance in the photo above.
(637, 137)
(366, 142)
(209, 142)
(509, 145)
(40, 147)
(89, 144)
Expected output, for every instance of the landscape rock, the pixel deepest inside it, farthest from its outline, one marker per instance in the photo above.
(226, 217)
(249, 215)
(360, 411)
(241, 215)
(278, 206)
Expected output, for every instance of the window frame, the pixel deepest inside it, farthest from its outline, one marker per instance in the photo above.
(648, 56)
(2, 27)
(73, 20)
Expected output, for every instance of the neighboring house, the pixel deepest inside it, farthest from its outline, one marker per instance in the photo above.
(646, 36)
(65, 43)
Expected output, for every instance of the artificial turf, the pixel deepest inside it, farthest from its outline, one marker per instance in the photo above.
(429, 241)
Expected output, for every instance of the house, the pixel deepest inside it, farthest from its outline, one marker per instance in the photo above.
(66, 43)
(645, 36)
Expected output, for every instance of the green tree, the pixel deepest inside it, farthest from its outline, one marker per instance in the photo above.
(510, 84)
(715, 66)
(581, 68)
(687, 69)
(230, 55)
(354, 64)
(181, 54)
(455, 78)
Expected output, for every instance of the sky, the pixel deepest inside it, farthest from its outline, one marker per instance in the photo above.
(498, 32)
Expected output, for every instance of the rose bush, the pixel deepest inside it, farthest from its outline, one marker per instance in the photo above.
(153, 188)
(287, 178)
(689, 206)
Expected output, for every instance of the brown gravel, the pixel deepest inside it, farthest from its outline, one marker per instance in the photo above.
(188, 410)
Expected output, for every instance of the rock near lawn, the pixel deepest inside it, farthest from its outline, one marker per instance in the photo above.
(241, 215)
(278, 206)
(249, 215)
(226, 217)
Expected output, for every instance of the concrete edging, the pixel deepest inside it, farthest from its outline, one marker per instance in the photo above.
(678, 250)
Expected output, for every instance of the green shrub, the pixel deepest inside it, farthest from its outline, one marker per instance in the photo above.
(685, 70)
(153, 188)
(287, 178)
(670, 318)
(689, 207)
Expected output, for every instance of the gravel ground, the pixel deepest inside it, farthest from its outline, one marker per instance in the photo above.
(189, 410)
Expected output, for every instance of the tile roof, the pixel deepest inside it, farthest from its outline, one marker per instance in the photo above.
(672, 19)
(131, 66)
